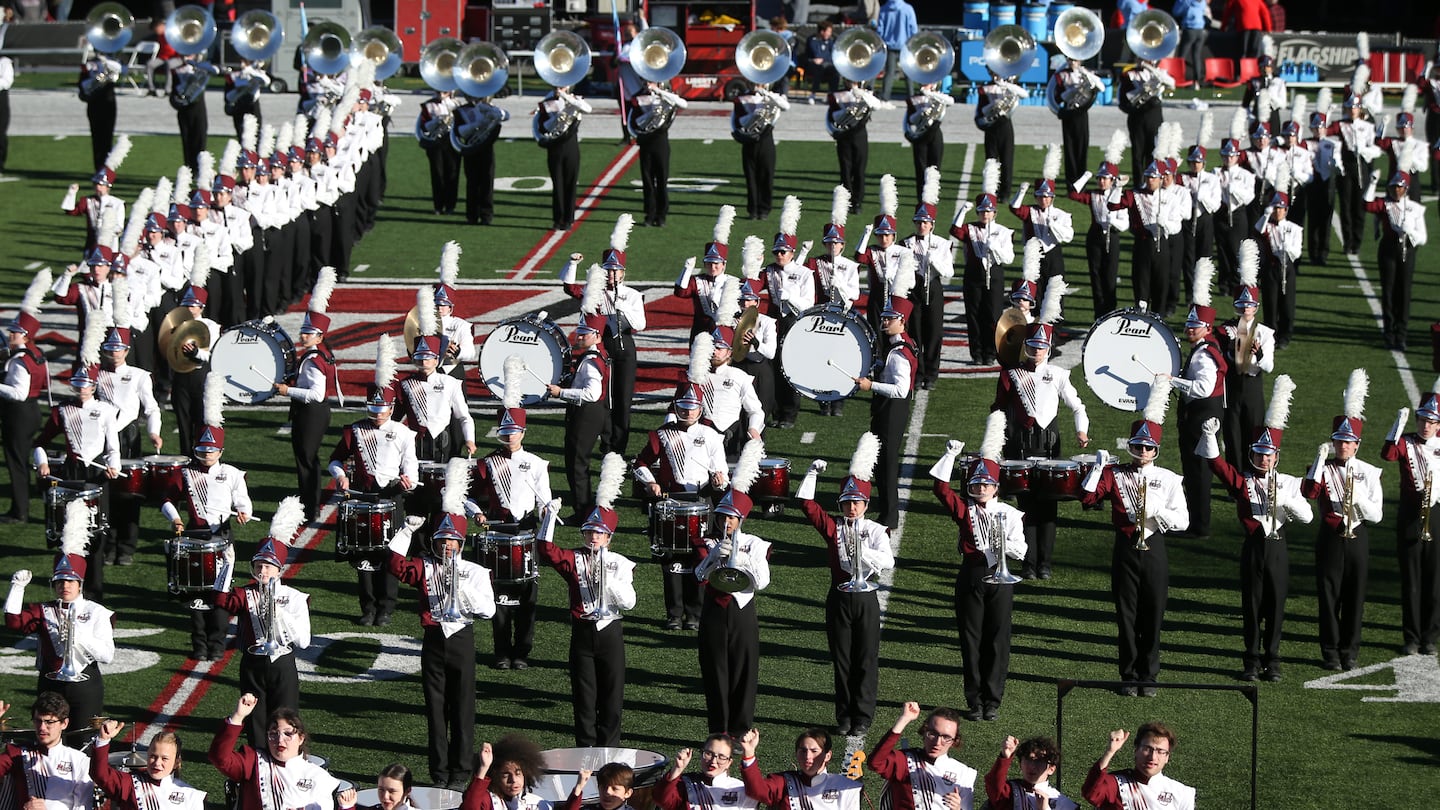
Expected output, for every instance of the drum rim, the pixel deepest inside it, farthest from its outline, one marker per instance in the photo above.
(849, 316)
(1145, 314)
(783, 463)
(1057, 464)
(214, 543)
(355, 504)
(263, 327)
(1017, 464)
(162, 458)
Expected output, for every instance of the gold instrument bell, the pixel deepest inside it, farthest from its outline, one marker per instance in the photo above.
(412, 329)
(747, 322)
(1010, 336)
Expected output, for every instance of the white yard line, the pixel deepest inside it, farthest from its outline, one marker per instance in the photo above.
(1402, 363)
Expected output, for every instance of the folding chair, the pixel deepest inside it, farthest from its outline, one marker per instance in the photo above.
(140, 55)
(1175, 66)
(1220, 73)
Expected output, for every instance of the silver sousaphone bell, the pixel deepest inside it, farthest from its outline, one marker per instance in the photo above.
(381, 47)
(437, 63)
(1152, 35)
(257, 35)
(657, 54)
(326, 47)
(562, 58)
(763, 57)
(927, 58)
(860, 54)
(190, 30)
(1079, 33)
(481, 69)
(109, 27)
(1008, 51)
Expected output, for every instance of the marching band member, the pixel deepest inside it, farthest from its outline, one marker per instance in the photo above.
(752, 124)
(212, 492)
(988, 248)
(925, 777)
(272, 618)
(385, 467)
(989, 531)
(1053, 226)
(934, 266)
(1265, 500)
(1030, 395)
(1153, 219)
(713, 785)
(791, 287)
(1107, 224)
(1204, 189)
(856, 547)
(1141, 97)
(437, 116)
(91, 294)
(187, 387)
(1327, 165)
(727, 391)
(704, 290)
(734, 567)
(882, 260)
(1070, 94)
(557, 130)
(48, 773)
(587, 413)
(128, 389)
(511, 486)
(140, 788)
(187, 95)
(1146, 502)
(459, 333)
(1294, 161)
(923, 113)
(453, 593)
(809, 785)
(1266, 95)
(140, 279)
(763, 338)
(649, 116)
(1238, 186)
(1203, 396)
(993, 105)
(1403, 233)
(1177, 200)
(27, 376)
(1144, 784)
(837, 278)
(237, 227)
(689, 456)
(1348, 493)
(892, 390)
(600, 584)
(513, 767)
(615, 781)
(426, 401)
(1248, 348)
(393, 786)
(1418, 457)
(102, 203)
(278, 775)
(327, 181)
(1428, 83)
(308, 391)
(478, 157)
(1262, 159)
(98, 76)
(1039, 757)
(847, 117)
(73, 632)
(1356, 135)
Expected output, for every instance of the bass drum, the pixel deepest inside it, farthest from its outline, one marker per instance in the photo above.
(538, 342)
(842, 338)
(252, 357)
(1123, 352)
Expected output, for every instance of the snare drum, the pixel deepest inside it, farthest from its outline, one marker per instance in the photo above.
(432, 479)
(197, 560)
(511, 558)
(164, 474)
(1087, 463)
(363, 528)
(252, 357)
(1056, 479)
(676, 525)
(825, 350)
(774, 481)
(1015, 477)
(58, 498)
(131, 480)
(538, 342)
(1123, 352)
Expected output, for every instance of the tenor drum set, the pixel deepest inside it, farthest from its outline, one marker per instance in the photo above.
(507, 552)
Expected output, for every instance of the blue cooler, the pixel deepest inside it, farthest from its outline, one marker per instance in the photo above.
(1032, 19)
(1001, 14)
(1056, 9)
(977, 14)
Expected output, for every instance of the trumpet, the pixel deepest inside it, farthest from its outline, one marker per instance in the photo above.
(995, 528)
(72, 660)
(270, 643)
(1425, 507)
(450, 578)
(1143, 513)
(853, 543)
(1348, 504)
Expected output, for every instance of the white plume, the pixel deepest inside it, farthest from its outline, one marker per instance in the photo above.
(457, 485)
(723, 223)
(752, 257)
(283, 139)
(267, 141)
(1356, 390)
(1298, 111)
(1204, 277)
(702, 347)
(182, 186)
(160, 199)
(76, 534)
(1323, 101)
(450, 263)
(385, 353)
(1030, 263)
(1056, 290)
(1115, 149)
(1360, 79)
(747, 469)
(1408, 99)
(110, 226)
(429, 321)
(612, 475)
(729, 311)
(1267, 46)
(1263, 105)
(200, 264)
(1158, 402)
(289, 516)
(994, 441)
(867, 452)
(205, 177)
(118, 153)
(341, 113)
(790, 215)
(324, 288)
(321, 127)
(1174, 139)
(92, 338)
(513, 373)
(230, 158)
(889, 197)
(250, 133)
(1362, 44)
(120, 289)
(214, 400)
(620, 236)
(930, 191)
(593, 298)
(1051, 168)
(1249, 259)
(1279, 411)
(1207, 129)
(1282, 177)
(35, 293)
(904, 276)
(299, 130)
(990, 177)
(840, 205)
(1237, 124)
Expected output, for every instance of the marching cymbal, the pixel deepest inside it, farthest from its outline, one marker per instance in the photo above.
(745, 324)
(412, 329)
(1010, 336)
(192, 330)
(172, 321)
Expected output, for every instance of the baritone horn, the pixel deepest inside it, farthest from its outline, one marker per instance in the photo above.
(257, 35)
(860, 54)
(562, 58)
(481, 69)
(657, 54)
(763, 57)
(1152, 35)
(381, 47)
(1079, 33)
(1008, 50)
(326, 47)
(109, 27)
(927, 58)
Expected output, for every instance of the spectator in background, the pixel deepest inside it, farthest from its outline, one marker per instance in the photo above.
(781, 26)
(1125, 11)
(164, 57)
(820, 59)
(1251, 19)
(1194, 19)
(1277, 16)
(896, 23)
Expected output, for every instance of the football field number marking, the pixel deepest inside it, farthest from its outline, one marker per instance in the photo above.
(1417, 680)
(399, 657)
(19, 658)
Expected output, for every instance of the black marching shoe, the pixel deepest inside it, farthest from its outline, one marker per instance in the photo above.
(1250, 674)
(972, 713)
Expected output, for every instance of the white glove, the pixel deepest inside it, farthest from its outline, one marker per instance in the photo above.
(1082, 180)
(16, 597)
(400, 543)
(686, 273)
(961, 212)
(953, 447)
(22, 577)
(1092, 478)
(945, 467)
(1321, 453)
(724, 546)
(818, 465)
(1210, 426)
(1401, 417)
(1019, 197)
(865, 239)
(1208, 447)
(567, 273)
(806, 492)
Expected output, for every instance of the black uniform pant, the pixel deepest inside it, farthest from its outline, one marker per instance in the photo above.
(1264, 585)
(621, 349)
(563, 160)
(1196, 470)
(4, 127)
(1174, 252)
(253, 273)
(982, 616)
(208, 627)
(124, 507)
(480, 185)
(86, 698)
(1102, 252)
(585, 423)
(1350, 189)
(186, 391)
(513, 626)
(983, 303)
(246, 105)
(889, 419)
(852, 150)
(1277, 290)
(274, 684)
(305, 267)
(447, 675)
(1319, 210)
(19, 422)
(279, 268)
(309, 422)
(1342, 568)
(597, 681)
(1419, 579)
(368, 192)
(342, 234)
(1041, 514)
(682, 589)
(444, 177)
(1140, 585)
(852, 627)
(1230, 230)
(729, 664)
(1143, 125)
(1397, 275)
(655, 175)
(1000, 145)
(762, 371)
(100, 110)
(757, 159)
(787, 400)
(1432, 134)
(1199, 242)
(927, 151)
(227, 296)
(1244, 411)
(378, 589)
(927, 327)
(194, 129)
(1075, 136)
(1150, 271)
(322, 239)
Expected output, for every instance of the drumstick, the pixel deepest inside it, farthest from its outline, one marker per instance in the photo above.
(538, 378)
(1144, 365)
(263, 375)
(830, 361)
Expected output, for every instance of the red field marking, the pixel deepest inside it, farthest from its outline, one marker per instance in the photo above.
(550, 244)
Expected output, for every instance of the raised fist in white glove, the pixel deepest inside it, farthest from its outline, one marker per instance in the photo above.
(414, 522)
(1326, 450)
(1210, 426)
(689, 263)
(725, 546)
(818, 465)
(806, 245)
(953, 447)
(21, 577)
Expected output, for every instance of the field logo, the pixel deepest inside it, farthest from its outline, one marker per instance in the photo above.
(687, 185)
(19, 658)
(1417, 680)
(399, 658)
(535, 183)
